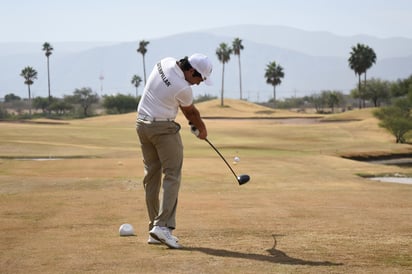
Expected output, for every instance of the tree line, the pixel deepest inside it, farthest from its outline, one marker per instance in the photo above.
(80, 104)
(361, 59)
(394, 96)
(83, 97)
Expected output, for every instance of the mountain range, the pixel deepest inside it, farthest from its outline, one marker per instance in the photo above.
(312, 62)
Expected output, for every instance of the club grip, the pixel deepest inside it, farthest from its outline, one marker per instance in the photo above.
(194, 130)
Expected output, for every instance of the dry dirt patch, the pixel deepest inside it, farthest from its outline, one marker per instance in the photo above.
(63, 216)
(335, 224)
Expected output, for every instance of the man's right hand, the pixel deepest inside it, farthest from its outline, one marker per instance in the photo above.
(193, 116)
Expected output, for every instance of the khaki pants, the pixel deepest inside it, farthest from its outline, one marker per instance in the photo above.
(162, 151)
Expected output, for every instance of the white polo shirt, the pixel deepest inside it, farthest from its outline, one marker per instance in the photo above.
(165, 91)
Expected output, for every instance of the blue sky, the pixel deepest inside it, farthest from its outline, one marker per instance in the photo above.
(132, 20)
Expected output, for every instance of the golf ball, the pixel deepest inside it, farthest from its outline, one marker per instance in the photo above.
(126, 230)
(236, 159)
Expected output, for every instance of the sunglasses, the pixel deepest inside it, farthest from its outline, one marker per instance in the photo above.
(197, 74)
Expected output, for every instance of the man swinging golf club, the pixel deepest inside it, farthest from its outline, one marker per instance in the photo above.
(168, 88)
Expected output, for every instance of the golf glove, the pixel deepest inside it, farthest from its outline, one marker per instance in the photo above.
(194, 130)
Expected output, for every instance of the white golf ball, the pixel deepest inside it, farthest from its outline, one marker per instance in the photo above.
(236, 159)
(126, 230)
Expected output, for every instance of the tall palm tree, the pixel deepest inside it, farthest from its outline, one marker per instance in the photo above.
(274, 74)
(355, 63)
(223, 54)
(370, 59)
(142, 49)
(29, 74)
(361, 59)
(136, 80)
(47, 48)
(237, 47)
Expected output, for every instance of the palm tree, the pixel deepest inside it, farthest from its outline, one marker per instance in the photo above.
(237, 47)
(361, 59)
(29, 74)
(223, 54)
(142, 49)
(355, 63)
(274, 73)
(370, 59)
(136, 80)
(47, 48)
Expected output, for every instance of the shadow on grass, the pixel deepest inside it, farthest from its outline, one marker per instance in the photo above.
(276, 256)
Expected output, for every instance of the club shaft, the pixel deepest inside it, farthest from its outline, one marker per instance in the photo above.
(221, 156)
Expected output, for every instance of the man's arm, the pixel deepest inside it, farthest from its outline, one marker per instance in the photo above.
(193, 116)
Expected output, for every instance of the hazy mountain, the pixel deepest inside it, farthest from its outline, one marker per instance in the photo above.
(14, 48)
(317, 43)
(312, 61)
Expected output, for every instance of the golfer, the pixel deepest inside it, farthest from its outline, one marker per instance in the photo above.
(168, 88)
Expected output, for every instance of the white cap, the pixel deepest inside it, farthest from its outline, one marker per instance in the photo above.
(126, 230)
(203, 65)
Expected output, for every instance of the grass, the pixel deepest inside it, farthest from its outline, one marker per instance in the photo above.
(63, 216)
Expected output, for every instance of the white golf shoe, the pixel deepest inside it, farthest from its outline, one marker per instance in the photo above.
(163, 235)
(153, 241)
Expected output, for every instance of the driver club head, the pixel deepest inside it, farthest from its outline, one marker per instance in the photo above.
(243, 179)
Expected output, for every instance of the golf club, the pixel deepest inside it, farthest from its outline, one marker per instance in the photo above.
(242, 179)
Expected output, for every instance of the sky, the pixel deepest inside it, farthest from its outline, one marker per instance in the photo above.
(134, 20)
